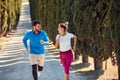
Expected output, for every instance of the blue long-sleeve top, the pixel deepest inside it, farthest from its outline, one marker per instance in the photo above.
(34, 39)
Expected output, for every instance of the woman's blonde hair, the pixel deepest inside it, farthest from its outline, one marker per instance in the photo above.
(64, 25)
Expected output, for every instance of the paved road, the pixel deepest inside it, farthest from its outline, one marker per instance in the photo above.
(14, 61)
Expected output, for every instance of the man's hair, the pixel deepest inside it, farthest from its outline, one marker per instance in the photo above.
(34, 23)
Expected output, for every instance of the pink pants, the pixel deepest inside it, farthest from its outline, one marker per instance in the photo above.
(66, 60)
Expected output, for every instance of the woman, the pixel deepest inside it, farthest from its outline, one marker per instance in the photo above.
(63, 40)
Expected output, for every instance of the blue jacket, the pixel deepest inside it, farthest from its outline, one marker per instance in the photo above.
(34, 39)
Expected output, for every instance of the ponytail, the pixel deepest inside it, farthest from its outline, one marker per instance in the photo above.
(64, 25)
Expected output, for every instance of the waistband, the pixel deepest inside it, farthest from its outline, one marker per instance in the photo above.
(66, 51)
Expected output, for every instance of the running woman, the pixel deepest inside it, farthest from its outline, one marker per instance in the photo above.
(63, 40)
(38, 38)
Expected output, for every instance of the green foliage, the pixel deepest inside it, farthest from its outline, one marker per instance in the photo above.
(47, 11)
(9, 15)
(92, 28)
(114, 14)
(114, 21)
(93, 21)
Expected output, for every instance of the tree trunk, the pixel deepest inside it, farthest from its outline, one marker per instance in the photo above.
(118, 72)
(98, 64)
(118, 58)
(84, 58)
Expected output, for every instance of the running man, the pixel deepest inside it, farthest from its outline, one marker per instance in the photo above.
(37, 38)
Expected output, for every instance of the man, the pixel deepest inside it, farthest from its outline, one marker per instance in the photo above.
(37, 38)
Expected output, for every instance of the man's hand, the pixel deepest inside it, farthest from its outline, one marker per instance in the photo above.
(42, 42)
(27, 50)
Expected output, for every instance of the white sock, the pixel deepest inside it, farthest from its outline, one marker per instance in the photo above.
(38, 73)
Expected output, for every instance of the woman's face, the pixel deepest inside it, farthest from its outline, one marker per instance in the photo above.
(60, 30)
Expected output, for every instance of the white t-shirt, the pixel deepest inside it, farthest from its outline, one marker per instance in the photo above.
(65, 42)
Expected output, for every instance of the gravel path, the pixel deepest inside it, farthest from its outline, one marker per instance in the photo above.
(14, 61)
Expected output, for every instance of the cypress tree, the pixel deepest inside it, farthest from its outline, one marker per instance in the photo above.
(91, 25)
(4, 17)
(114, 14)
(0, 18)
(88, 20)
(47, 13)
(9, 10)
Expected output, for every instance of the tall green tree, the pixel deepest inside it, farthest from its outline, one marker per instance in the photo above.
(9, 15)
(114, 14)
(47, 11)
(92, 28)
(88, 20)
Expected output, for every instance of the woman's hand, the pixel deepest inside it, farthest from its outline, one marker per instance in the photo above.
(74, 48)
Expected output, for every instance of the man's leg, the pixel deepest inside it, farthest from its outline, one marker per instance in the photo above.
(33, 62)
(40, 68)
(40, 63)
(34, 71)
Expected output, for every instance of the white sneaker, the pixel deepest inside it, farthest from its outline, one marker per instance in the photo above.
(38, 73)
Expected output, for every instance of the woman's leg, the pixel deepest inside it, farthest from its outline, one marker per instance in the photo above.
(67, 77)
(69, 60)
(67, 69)
(63, 60)
(66, 60)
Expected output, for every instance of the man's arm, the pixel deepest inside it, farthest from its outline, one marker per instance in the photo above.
(25, 38)
(45, 40)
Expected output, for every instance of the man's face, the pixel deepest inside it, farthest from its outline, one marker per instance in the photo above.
(37, 28)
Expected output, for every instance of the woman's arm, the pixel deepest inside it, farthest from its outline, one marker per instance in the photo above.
(57, 41)
(75, 42)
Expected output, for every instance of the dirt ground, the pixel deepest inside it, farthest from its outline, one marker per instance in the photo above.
(2, 40)
(25, 0)
(109, 71)
(87, 72)
(84, 70)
